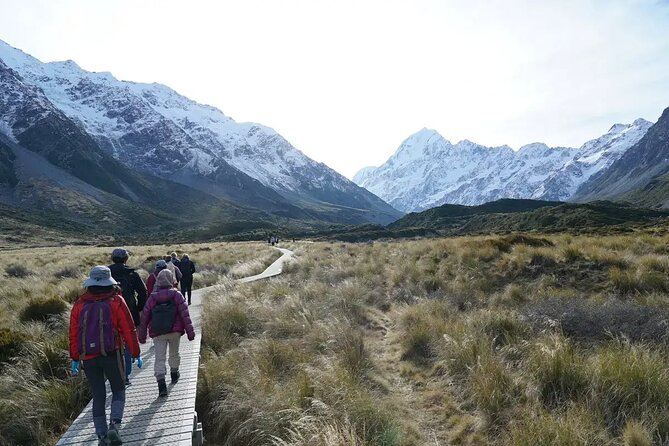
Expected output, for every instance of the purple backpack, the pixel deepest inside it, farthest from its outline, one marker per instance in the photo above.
(96, 333)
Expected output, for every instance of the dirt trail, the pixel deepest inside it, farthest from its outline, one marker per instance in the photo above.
(424, 401)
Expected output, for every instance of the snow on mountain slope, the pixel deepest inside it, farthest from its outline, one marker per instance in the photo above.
(427, 170)
(152, 128)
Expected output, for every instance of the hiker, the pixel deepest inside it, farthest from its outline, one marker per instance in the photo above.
(176, 271)
(151, 281)
(175, 260)
(133, 291)
(100, 324)
(187, 269)
(167, 318)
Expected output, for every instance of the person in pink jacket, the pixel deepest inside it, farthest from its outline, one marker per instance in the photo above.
(166, 318)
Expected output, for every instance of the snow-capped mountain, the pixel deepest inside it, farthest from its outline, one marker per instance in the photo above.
(427, 170)
(640, 175)
(151, 128)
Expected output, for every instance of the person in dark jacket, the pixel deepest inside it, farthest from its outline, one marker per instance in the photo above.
(175, 260)
(100, 286)
(133, 291)
(187, 267)
(166, 292)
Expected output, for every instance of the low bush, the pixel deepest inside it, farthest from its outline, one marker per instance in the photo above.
(590, 321)
(18, 271)
(71, 272)
(11, 343)
(43, 309)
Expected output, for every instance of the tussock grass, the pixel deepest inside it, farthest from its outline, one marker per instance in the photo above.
(632, 383)
(522, 331)
(560, 371)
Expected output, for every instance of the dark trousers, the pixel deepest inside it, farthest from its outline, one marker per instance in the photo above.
(98, 371)
(187, 286)
(128, 362)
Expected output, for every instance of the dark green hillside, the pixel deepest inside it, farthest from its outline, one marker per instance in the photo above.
(564, 217)
(505, 216)
(527, 215)
(455, 215)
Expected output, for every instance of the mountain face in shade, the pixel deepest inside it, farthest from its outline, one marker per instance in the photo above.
(153, 129)
(49, 164)
(427, 170)
(639, 175)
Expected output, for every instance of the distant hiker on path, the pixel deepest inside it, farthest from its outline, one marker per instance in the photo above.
(167, 318)
(133, 291)
(187, 270)
(175, 260)
(176, 271)
(100, 324)
(151, 281)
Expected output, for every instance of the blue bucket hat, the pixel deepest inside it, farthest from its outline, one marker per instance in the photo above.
(99, 276)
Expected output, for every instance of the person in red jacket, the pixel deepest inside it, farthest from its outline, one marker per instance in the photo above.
(100, 324)
(166, 318)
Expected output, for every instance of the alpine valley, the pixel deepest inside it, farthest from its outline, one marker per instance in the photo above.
(92, 149)
(427, 170)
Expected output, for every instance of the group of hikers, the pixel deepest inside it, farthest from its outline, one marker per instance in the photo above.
(273, 240)
(111, 319)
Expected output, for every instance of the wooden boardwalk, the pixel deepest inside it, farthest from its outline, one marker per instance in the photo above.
(148, 419)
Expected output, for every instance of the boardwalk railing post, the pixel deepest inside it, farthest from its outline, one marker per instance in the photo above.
(198, 438)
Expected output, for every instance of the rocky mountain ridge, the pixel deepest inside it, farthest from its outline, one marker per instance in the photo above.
(154, 130)
(427, 170)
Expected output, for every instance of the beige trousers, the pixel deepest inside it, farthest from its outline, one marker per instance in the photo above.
(160, 343)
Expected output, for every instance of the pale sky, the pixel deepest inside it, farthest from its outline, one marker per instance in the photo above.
(346, 81)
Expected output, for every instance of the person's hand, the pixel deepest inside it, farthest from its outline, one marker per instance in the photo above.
(75, 368)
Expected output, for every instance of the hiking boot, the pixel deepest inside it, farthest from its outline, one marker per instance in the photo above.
(113, 436)
(162, 387)
(103, 441)
(175, 376)
(127, 381)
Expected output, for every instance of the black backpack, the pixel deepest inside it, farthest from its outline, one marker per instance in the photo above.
(163, 316)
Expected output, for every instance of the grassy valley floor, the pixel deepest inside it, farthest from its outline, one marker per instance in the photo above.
(504, 340)
(500, 340)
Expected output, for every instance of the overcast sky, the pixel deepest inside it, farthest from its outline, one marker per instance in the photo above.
(347, 81)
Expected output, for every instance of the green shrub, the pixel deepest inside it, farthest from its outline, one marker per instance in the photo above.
(11, 343)
(43, 309)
